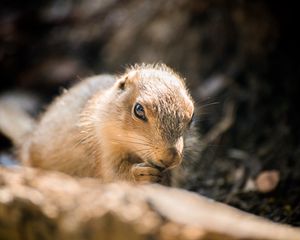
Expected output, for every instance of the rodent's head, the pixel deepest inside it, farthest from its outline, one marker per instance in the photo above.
(155, 110)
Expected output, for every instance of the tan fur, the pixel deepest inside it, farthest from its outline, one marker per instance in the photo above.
(91, 129)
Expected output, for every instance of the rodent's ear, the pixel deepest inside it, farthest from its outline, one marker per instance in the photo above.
(127, 79)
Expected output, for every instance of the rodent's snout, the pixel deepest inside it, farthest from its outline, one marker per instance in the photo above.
(172, 159)
(172, 156)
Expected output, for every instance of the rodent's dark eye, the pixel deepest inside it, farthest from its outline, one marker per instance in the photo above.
(139, 112)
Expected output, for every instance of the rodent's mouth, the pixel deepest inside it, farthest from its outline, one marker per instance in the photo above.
(136, 159)
(157, 165)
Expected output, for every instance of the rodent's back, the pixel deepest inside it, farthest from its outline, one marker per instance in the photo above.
(54, 142)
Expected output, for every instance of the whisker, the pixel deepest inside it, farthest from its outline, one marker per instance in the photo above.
(147, 155)
(136, 138)
(143, 150)
(208, 104)
(126, 141)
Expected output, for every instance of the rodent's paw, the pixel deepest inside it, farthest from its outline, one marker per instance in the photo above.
(144, 173)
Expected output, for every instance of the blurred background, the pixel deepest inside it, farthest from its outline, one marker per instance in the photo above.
(240, 59)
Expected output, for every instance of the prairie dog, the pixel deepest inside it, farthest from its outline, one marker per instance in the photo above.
(129, 127)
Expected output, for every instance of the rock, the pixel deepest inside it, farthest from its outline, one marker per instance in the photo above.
(267, 181)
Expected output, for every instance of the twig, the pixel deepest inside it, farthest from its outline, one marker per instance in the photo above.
(221, 127)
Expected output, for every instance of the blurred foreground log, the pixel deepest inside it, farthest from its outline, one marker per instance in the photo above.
(47, 205)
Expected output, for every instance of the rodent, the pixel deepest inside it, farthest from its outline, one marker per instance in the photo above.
(130, 127)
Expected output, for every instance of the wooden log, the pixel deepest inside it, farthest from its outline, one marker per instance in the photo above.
(36, 204)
